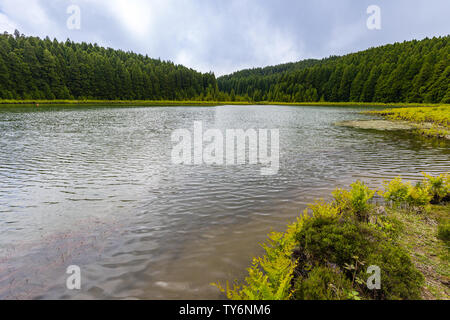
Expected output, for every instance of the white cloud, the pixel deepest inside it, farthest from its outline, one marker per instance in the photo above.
(6, 24)
(28, 15)
(137, 16)
(224, 36)
(343, 36)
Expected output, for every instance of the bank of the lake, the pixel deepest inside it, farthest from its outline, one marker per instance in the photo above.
(337, 250)
(166, 103)
(430, 122)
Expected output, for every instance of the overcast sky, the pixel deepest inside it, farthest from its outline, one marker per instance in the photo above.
(227, 35)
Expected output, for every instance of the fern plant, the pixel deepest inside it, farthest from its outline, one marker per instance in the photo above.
(270, 276)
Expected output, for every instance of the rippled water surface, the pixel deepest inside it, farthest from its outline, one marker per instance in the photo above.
(95, 187)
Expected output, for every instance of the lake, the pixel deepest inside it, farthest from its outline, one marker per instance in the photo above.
(95, 187)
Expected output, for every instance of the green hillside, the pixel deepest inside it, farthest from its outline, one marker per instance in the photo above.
(412, 71)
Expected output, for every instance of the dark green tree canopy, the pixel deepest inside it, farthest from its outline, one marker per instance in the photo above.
(412, 71)
(31, 68)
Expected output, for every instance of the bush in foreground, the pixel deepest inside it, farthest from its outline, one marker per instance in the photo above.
(324, 284)
(444, 231)
(325, 253)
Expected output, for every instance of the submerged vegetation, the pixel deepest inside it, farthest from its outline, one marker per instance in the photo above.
(429, 121)
(326, 253)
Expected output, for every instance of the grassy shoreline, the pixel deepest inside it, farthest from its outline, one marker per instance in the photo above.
(430, 255)
(430, 122)
(324, 255)
(204, 103)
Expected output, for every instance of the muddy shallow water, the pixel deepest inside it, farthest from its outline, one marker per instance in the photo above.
(95, 187)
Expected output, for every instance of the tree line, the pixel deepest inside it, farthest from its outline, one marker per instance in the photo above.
(412, 71)
(34, 68)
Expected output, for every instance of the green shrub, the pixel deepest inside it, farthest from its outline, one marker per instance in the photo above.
(432, 189)
(399, 277)
(325, 253)
(389, 226)
(329, 240)
(419, 196)
(323, 284)
(360, 196)
(396, 191)
(439, 186)
(321, 209)
(342, 200)
(354, 202)
(347, 244)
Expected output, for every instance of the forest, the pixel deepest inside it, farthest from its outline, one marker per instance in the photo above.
(412, 71)
(42, 69)
(31, 68)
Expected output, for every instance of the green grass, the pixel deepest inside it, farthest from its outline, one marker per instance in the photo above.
(32, 103)
(429, 253)
(201, 103)
(430, 121)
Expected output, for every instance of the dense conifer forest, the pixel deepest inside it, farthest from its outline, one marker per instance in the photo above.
(412, 71)
(31, 68)
(44, 69)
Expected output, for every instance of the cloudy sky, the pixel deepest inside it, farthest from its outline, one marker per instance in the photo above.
(227, 35)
